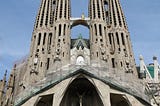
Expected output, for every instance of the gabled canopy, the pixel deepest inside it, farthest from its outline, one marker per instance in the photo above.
(80, 42)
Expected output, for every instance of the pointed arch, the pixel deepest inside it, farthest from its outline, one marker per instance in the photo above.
(46, 100)
(119, 100)
(81, 92)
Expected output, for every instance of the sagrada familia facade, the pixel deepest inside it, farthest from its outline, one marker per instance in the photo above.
(99, 71)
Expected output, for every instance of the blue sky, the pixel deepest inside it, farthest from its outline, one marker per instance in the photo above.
(17, 19)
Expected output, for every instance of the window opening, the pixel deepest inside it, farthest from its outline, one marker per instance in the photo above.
(48, 62)
(50, 39)
(39, 38)
(59, 29)
(44, 38)
(122, 35)
(100, 30)
(117, 38)
(113, 63)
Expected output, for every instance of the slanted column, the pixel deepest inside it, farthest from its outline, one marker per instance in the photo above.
(10, 90)
(156, 70)
(144, 70)
(2, 87)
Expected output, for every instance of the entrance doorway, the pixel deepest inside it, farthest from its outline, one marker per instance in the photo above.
(81, 92)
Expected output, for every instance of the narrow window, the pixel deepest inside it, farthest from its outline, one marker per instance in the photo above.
(43, 50)
(100, 30)
(37, 50)
(110, 38)
(54, 2)
(113, 63)
(61, 9)
(117, 38)
(97, 54)
(64, 29)
(122, 35)
(55, 29)
(64, 41)
(59, 29)
(47, 14)
(114, 16)
(119, 49)
(119, 18)
(105, 31)
(34, 39)
(106, 5)
(41, 64)
(43, 12)
(94, 9)
(39, 39)
(98, 8)
(50, 39)
(63, 54)
(44, 38)
(48, 61)
(95, 29)
(65, 12)
(121, 64)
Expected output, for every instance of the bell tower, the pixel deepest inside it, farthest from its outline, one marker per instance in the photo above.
(50, 39)
(109, 40)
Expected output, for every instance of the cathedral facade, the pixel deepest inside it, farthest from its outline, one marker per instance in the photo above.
(61, 71)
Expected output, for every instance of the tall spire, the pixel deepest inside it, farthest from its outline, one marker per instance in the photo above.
(2, 87)
(10, 89)
(5, 75)
(156, 69)
(110, 39)
(45, 14)
(116, 14)
(50, 39)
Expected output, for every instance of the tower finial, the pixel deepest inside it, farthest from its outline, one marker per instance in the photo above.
(141, 57)
(83, 16)
(154, 58)
(4, 78)
(80, 36)
(5, 73)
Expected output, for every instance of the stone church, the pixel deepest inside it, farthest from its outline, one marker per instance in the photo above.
(61, 71)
